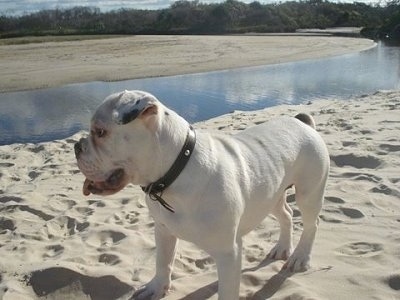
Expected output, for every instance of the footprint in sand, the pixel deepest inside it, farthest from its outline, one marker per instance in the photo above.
(6, 224)
(125, 201)
(34, 174)
(38, 213)
(53, 251)
(36, 149)
(349, 144)
(86, 211)
(6, 165)
(202, 263)
(368, 177)
(105, 239)
(291, 198)
(132, 217)
(394, 180)
(394, 282)
(352, 213)
(334, 214)
(60, 202)
(296, 213)
(6, 199)
(381, 188)
(334, 199)
(359, 162)
(340, 215)
(330, 219)
(384, 189)
(64, 226)
(389, 148)
(360, 249)
(97, 203)
(109, 259)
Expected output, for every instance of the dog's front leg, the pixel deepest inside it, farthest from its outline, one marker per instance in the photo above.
(229, 269)
(165, 254)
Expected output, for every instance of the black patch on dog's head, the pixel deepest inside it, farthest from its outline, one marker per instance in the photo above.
(129, 116)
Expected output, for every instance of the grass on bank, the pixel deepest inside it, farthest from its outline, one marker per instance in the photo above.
(53, 38)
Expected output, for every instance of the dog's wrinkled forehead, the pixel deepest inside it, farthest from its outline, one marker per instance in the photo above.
(122, 108)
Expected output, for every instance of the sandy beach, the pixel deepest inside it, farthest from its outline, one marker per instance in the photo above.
(42, 65)
(57, 244)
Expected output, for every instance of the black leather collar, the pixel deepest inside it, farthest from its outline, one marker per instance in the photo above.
(156, 189)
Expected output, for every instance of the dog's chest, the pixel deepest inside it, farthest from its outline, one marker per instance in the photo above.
(176, 222)
(185, 225)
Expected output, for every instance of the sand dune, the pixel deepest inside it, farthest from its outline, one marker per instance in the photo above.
(57, 244)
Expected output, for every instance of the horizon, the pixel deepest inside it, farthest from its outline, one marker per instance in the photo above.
(26, 7)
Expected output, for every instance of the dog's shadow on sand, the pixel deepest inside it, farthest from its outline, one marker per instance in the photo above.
(272, 286)
(267, 291)
(48, 281)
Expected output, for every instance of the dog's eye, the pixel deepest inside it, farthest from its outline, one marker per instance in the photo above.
(99, 132)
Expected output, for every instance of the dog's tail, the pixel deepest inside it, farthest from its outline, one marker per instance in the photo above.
(306, 119)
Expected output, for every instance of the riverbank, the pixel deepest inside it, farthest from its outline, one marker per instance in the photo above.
(50, 64)
(58, 244)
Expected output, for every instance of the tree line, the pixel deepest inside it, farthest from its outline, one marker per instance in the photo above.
(194, 17)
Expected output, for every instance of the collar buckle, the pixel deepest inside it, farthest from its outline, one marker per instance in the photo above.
(156, 189)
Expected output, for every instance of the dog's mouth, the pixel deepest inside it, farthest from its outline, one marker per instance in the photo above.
(113, 184)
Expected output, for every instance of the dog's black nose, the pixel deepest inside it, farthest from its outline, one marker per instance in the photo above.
(78, 149)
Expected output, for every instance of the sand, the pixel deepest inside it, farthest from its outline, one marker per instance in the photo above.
(56, 243)
(43, 65)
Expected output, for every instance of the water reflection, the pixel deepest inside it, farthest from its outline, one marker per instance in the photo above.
(48, 114)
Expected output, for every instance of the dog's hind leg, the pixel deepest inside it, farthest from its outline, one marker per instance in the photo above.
(283, 213)
(309, 200)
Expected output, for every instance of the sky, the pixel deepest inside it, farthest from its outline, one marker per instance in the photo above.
(19, 7)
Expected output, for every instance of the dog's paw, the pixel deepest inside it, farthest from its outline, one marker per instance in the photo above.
(280, 252)
(298, 262)
(154, 290)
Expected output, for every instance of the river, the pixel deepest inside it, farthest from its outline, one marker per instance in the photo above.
(55, 113)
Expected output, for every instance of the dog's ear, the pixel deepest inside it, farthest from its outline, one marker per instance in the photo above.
(139, 105)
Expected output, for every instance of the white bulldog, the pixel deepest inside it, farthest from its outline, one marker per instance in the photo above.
(218, 187)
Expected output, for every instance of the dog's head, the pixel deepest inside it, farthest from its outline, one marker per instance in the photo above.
(119, 143)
